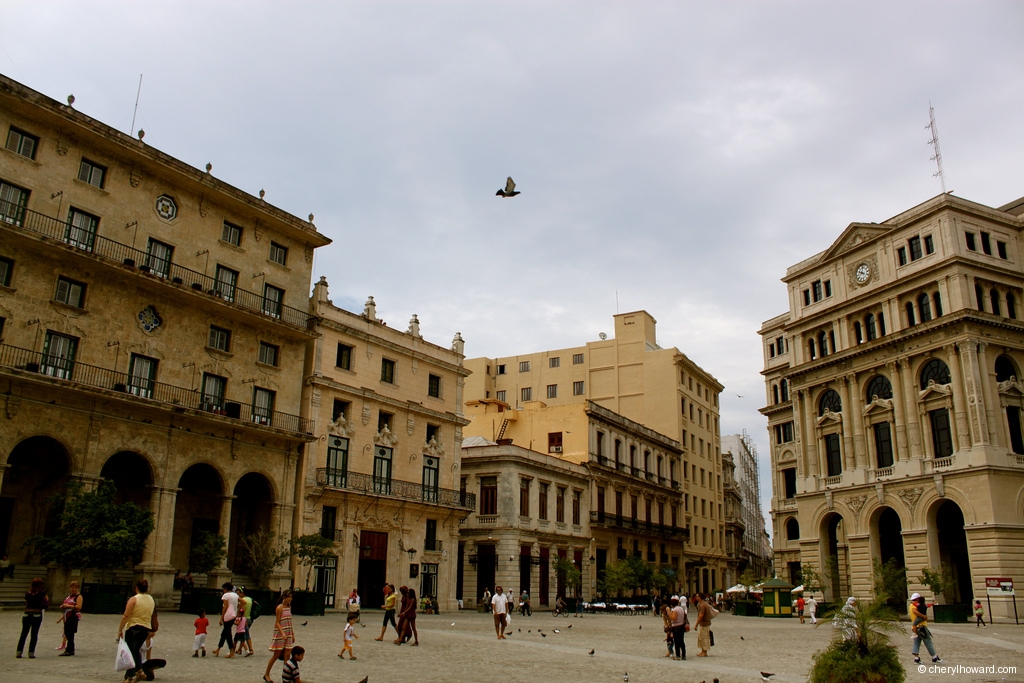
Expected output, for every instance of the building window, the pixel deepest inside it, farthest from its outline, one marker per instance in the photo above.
(526, 393)
(262, 406)
(20, 142)
(273, 298)
(501, 369)
(1011, 306)
(220, 339)
(524, 497)
(141, 375)
(560, 505)
(784, 433)
(337, 461)
(970, 241)
(929, 244)
(433, 434)
(789, 481)
(576, 496)
(92, 173)
(213, 392)
(911, 318)
(828, 288)
(13, 200)
(278, 254)
(552, 391)
(831, 402)
(59, 355)
(81, 229)
(554, 362)
(434, 386)
(833, 455)
(915, 248)
(577, 359)
(942, 437)
(488, 496)
(816, 290)
(431, 479)
(500, 395)
(268, 354)
(784, 386)
(901, 256)
(6, 268)
(925, 307)
(387, 370)
(70, 292)
(994, 298)
(1001, 248)
(807, 298)
(384, 420)
(934, 371)
(879, 387)
(792, 529)
(542, 501)
(328, 521)
(382, 458)
(344, 358)
(158, 257)
(986, 243)
(232, 234)
(577, 388)
(524, 366)
(340, 409)
(883, 444)
(858, 334)
(555, 442)
(227, 280)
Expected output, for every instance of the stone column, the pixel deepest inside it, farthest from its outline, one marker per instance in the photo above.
(857, 417)
(848, 453)
(225, 526)
(990, 395)
(973, 383)
(910, 402)
(961, 430)
(899, 412)
(798, 440)
(810, 435)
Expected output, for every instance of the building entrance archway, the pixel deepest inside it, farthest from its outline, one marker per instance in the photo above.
(948, 537)
(250, 512)
(197, 509)
(132, 476)
(887, 544)
(38, 468)
(834, 553)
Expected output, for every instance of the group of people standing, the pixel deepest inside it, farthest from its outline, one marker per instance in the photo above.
(406, 626)
(675, 617)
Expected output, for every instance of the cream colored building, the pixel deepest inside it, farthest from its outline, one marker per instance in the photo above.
(383, 479)
(154, 321)
(894, 404)
(661, 389)
(534, 508)
(632, 485)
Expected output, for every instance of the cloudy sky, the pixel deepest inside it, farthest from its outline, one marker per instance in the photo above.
(672, 156)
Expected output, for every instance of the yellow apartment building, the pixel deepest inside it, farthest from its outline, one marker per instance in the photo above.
(153, 324)
(635, 378)
(894, 402)
(383, 479)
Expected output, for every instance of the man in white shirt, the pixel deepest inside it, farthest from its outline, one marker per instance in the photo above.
(499, 605)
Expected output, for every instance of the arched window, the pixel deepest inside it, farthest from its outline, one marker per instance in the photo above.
(1011, 306)
(810, 348)
(911, 321)
(925, 307)
(881, 324)
(979, 294)
(869, 325)
(775, 393)
(792, 529)
(879, 386)
(1005, 368)
(857, 333)
(784, 385)
(936, 370)
(830, 401)
(937, 300)
(994, 296)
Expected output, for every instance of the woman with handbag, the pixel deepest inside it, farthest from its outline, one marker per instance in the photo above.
(680, 625)
(36, 601)
(138, 620)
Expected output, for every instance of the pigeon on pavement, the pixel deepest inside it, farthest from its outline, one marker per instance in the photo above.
(591, 653)
(304, 623)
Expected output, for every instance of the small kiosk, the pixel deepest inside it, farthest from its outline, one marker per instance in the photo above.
(778, 598)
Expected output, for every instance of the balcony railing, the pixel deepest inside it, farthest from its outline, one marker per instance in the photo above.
(639, 525)
(147, 389)
(110, 250)
(433, 545)
(394, 488)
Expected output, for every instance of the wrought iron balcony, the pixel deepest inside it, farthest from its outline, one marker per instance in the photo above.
(648, 528)
(394, 488)
(174, 275)
(143, 389)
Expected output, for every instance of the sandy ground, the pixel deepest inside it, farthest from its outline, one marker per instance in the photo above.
(462, 647)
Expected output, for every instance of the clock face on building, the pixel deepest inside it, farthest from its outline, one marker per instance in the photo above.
(863, 273)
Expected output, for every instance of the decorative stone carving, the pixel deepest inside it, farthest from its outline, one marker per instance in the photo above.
(410, 425)
(458, 345)
(149, 319)
(341, 427)
(856, 503)
(385, 438)
(828, 500)
(871, 261)
(910, 497)
(434, 448)
(366, 415)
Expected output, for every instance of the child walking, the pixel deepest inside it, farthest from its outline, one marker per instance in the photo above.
(350, 633)
(291, 667)
(201, 625)
(979, 613)
(241, 626)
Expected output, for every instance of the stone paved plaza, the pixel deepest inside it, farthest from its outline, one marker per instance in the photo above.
(468, 651)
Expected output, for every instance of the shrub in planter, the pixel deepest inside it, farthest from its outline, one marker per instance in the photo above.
(860, 651)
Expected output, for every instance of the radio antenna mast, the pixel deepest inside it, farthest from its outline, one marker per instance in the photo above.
(136, 111)
(934, 142)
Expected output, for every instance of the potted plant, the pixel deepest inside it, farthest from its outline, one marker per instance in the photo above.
(940, 581)
(308, 551)
(262, 554)
(861, 650)
(177, 280)
(94, 532)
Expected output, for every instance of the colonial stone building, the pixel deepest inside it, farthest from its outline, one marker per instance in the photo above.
(635, 378)
(747, 544)
(631, 483)
(382, 480)
(894, 404)
(154, 320)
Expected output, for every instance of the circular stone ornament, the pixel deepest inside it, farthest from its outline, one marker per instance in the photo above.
(166, 208)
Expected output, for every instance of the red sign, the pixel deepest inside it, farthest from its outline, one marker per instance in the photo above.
(995, 582)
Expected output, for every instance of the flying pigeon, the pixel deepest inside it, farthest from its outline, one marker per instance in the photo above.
(591, 653)
(510, 189)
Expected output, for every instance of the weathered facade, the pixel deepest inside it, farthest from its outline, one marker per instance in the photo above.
(153, 322)
(743, 516)
(383, 479)
(894, 404)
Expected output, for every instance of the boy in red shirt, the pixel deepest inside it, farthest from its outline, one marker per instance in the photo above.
(200, 642)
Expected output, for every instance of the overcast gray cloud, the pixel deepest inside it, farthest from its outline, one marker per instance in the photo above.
(675, 157)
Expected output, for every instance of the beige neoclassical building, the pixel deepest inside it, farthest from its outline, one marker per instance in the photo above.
(154, 322)
(894, 401)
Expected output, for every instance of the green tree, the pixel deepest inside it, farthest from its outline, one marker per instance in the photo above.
(938, 580)
(308, 550)
(566, 571)
(617, 578)
(93, 531)
(861, 650)
(750, 578)
(641, 573)
(262, 554)
(814, 582)
(208, 551)
(890, 583)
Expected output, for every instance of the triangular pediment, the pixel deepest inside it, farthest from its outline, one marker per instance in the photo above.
(829, 418)
(1011, 387)
(934, 390)
(879, 405)
(854, 236)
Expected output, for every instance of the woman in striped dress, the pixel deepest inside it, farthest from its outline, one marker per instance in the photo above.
(284, 637)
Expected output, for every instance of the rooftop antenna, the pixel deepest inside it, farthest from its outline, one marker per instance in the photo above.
(934, 142)
(137, 93)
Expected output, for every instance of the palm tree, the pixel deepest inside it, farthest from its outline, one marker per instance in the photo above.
(861, 650)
